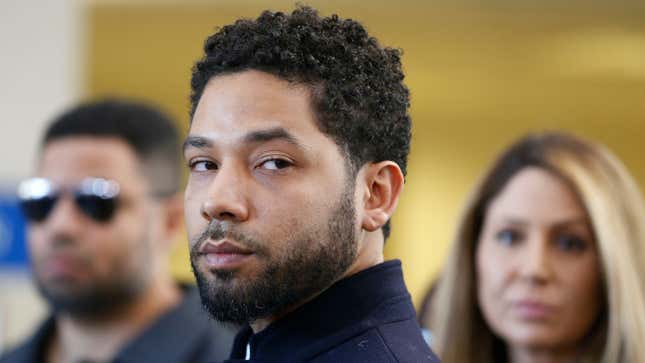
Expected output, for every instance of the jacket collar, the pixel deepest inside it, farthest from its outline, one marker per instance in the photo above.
(372, 297)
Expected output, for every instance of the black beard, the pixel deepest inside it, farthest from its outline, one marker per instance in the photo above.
(319, 258)
(98, 301)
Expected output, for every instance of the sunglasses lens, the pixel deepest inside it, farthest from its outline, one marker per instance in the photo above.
(36, 210)
(96, 197)
(96, 207)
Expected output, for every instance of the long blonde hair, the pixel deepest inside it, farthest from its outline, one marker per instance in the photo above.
(617, 213)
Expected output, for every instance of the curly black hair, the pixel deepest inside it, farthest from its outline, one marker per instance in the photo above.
(359, 97)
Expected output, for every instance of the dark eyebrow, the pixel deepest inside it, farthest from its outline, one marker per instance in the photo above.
(259, 136)
(197, 142)
(271, 134)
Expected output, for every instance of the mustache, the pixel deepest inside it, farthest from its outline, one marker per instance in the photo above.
(62, 245)
(217, 230)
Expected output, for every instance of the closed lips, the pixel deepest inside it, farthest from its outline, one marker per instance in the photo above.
(224, 248)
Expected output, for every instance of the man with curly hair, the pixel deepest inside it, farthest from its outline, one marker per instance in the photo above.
(297, 154)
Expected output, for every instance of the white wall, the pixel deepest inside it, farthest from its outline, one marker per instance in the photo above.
(40, 75)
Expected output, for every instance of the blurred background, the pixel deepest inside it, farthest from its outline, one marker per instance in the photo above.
(480, 73)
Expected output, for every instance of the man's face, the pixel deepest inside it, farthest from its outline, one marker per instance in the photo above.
(269, 203)
(82, 265)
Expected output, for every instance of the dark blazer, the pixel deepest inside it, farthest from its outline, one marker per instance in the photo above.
(367, 317)
(185, 334)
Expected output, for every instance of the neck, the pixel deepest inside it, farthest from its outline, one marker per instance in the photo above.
(100, 338)
(531, 355)
(370, 253)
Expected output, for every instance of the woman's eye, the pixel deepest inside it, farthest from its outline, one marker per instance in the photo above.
(571, 243)
(275, 164)
(202, 165)
(508, 237)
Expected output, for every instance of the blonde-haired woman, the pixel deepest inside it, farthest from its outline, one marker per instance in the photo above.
(548, 264)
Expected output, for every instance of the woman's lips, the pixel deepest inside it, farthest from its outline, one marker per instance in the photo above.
(532, 310)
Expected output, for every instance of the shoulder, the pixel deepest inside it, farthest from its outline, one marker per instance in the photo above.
(405, 340)
(31, 349)
(185, 333)
(194, 317)
(16, 355)
(396, 342)
(26, 352)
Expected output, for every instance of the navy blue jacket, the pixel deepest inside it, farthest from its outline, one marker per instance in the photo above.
(367, 317)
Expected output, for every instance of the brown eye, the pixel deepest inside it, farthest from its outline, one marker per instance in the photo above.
(275, 164)
(202, 165)
(571, 243)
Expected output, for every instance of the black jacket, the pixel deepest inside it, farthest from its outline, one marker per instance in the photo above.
(367, 317)
(185, 334)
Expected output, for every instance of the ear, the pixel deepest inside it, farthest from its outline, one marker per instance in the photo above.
(383, 185)
(173, 219)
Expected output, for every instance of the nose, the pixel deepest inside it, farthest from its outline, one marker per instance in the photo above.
(64, 221)
(226, 199)
(536, 265)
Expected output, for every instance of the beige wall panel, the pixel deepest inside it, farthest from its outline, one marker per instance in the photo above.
(479, 76)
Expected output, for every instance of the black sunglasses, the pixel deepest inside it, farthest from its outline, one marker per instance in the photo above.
(96, 197)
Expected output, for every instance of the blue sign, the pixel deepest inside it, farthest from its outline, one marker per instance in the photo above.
(13, 251)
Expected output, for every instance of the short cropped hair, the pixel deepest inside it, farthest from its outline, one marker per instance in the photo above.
(151, 133)
(358, 95)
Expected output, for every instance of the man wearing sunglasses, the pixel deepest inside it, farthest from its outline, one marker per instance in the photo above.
(103, 213)
(297, 150)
